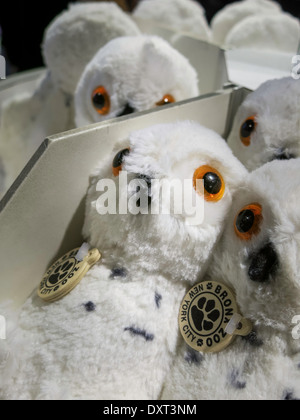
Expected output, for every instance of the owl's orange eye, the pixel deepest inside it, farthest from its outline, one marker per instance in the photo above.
(248, 221)
(118, 161)
(101, 100)
(214, 185)
(247, 128)
(167, 99)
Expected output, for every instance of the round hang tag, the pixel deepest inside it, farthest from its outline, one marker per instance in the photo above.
(65, 274)
(204, 315)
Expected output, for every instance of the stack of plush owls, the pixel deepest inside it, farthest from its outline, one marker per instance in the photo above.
(98, 66)
(197, 291)
(79, 59)
(255, 24)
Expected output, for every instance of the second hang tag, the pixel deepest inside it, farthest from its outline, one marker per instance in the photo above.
(209, 317)
(65, 274)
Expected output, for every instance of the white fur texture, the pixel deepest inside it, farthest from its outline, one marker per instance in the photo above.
(277, 108)
(136, 71)
(264, 365)
(74, 37)
(233, 13)
(114, 336)
(277, 32)
(185, 16)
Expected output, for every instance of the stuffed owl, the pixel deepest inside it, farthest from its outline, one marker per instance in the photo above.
(186, 16)
(256, 24)
(235, 12)
(267, 124)
(155, 210)
(275, 32)
(89, 27)
(258, 259)
(132, 74)
(69, 43)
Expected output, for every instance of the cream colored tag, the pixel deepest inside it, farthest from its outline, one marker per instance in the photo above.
(205, 313)
(65, 274)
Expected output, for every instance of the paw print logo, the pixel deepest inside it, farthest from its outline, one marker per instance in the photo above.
(61, 272)
(205, 314)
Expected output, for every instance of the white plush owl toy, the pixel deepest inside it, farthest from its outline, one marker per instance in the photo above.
(258, 259)
(267, 124)
(256, 24)
(74, 37)
(186, 16)
(131, 74)
(70, 42)
(155, 211)
(235, 12)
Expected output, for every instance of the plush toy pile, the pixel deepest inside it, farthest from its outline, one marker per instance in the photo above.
(114, 336)
(102, 48)
(28, 118)
(188, 284)
(255, 24)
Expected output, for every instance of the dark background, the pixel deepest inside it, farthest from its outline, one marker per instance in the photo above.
(23, 24)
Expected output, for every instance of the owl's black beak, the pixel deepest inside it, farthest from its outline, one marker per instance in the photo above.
(283, 154)
(126, 111)
(263, 264)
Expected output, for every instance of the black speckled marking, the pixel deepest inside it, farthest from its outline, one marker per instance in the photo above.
(142, 333)
(288, 395)
(157, 298)
(68, 100)
(89, 306)
(235, 381)
(118, 272)
(253, 340)
(192, 357)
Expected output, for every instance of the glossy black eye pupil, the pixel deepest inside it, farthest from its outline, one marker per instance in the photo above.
(247, 128)
(212, 183)
(98, 100)
(245, 221)
(118, 160)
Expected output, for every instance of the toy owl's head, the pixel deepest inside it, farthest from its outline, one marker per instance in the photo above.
(267, 124)
(74, 37)
(132, 74)
(259, 254)
(234, 13)
(160, 218)
(186, 16)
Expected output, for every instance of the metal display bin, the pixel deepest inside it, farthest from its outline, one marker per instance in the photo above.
(24, 82)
